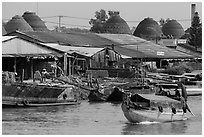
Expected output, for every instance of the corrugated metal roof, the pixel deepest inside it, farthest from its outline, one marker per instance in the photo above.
(122, 39)
(124, 44)
(79, 39)
(5, 38)
(85, 51)
(136, 47)
(19, 47)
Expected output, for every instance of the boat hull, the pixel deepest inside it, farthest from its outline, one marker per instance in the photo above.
(7, 104)
(137, 116)
(112, 95)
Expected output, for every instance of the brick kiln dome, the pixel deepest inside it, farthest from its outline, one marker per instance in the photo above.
(116, 25)
(35, 21)
(17, 23)
(148, 28)
(173, 28)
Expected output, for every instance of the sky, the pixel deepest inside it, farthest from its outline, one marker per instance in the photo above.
(132, 12)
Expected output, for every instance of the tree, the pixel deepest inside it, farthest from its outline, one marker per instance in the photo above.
(100, 20)
(112, 13)
(195, 38)
(163, 21)
(98, 23)
(70, 30)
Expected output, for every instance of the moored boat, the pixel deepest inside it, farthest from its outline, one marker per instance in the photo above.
(30, 95)
(6, 104)
(111, 94)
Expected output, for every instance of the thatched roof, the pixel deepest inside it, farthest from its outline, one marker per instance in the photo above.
(173, 28)
(116, 25)
(35, 21)
(148, 28)
(17, 23)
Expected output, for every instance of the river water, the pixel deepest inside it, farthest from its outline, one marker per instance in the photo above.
(93, 119)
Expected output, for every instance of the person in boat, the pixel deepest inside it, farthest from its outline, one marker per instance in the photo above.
(126, 100)
(159, 91)
(64, 96)
(44, 75)
(162, 92)
(177, 93)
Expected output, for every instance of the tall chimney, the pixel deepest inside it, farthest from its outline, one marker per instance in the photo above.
(193, 9)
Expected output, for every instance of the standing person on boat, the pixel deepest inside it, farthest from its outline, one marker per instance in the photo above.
(183, 99)
(44, 75)
(183, 90)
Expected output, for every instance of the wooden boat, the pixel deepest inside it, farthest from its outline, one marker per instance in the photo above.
(134, 116)
(114, 94)
(147, 107)
(141, 89)
(6, 104)
(170, 88)
(194, 90)
(29, 95)
(96, 96)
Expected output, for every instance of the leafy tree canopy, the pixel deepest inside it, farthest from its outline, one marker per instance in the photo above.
(100, 19)
(195, 38)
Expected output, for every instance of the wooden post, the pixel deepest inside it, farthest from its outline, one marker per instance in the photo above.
(90, 63)
(22, 75)
(31, 69)
(70, 67)
(14, 64)
(90, 78)
(160, 63)
(65, 64)
(152, 65)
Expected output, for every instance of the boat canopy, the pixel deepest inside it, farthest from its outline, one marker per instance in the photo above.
(156, 100)
(167, 85)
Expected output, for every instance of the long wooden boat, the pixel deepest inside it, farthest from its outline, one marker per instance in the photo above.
(29, 95)
(6, 104)
(146, 107)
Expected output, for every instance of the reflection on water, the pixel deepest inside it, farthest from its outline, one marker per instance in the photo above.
(92, 119)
